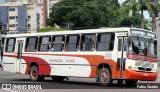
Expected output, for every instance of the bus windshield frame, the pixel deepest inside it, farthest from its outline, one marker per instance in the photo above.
(143, 46)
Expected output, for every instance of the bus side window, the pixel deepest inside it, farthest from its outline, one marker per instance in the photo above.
(88, 42)
(73, 42)
(105, 42)
(44, 44)
(10, 45)
(31, 44)
(59, 43)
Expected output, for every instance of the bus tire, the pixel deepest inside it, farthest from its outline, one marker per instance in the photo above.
(57, 78)
(34, 74)
(104, 77)
(130, 82)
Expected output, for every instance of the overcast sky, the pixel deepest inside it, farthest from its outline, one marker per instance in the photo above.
(1, 1)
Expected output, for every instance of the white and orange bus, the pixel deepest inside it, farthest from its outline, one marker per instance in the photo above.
(108, 54)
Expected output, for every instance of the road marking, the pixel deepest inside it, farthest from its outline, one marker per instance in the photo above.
(8, 90)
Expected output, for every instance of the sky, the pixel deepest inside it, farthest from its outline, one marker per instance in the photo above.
(1, 1)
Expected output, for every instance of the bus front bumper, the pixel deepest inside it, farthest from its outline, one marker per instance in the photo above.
(144, 76)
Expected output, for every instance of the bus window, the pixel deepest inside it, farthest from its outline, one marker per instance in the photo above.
(31, 44)
(10, 45)
(59, 43)
(88, 42)
(73, 43)
(44, 44)
(105, 42)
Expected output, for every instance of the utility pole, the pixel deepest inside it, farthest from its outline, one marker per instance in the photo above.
(45, 12)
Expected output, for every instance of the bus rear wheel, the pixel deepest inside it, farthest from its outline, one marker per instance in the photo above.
(130, 82)
(57, 78)
(104, 77)
(34, 74)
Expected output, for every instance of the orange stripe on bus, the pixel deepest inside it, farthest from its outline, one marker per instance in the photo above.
(94, 60)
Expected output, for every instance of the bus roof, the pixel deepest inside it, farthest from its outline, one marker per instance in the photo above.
(101, 30)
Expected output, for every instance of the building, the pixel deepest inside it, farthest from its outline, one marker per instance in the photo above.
(25, 15)
(24, 1)
(21, 16)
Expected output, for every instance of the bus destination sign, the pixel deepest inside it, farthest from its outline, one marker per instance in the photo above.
(143, 33)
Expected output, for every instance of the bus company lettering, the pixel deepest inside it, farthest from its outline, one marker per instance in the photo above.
(55, 60)
(70, 60)
(61, 60)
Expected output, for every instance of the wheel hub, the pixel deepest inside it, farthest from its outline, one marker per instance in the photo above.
(104, 77)
(34, 75)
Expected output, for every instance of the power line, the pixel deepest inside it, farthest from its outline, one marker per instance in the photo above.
(77, 6)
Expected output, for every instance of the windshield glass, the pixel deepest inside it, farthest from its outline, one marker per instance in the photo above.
(152, 48)
(134, 48)
(143, 46)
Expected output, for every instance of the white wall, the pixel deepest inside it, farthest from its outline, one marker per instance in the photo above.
(32, 11)
(32, 21)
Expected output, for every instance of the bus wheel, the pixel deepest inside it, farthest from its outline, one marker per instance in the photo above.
(104, 77)
(57, 78)
(130, 82)
(34, 74)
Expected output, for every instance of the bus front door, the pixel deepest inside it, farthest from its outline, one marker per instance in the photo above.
(121, 57)
(19, 55)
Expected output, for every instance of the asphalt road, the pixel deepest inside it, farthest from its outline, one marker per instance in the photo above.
(71, 85)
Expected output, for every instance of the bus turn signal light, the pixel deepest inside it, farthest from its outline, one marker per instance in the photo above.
(130, 67)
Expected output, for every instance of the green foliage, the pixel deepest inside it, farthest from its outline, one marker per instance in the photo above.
(50, 29)
(83, 13)
(99, 13)
(130, 8)
(134, 21)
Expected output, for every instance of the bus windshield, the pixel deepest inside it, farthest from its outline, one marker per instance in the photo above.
(143, 46)
(152, 48)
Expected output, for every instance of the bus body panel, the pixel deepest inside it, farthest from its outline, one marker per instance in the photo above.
(9, 64)
(143, 76)
(64, 65)
(78, 63)
(80, 68)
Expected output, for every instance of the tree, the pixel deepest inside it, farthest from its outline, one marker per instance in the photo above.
(81, 14)
(84, 13)
(132, 7)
